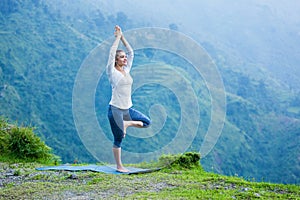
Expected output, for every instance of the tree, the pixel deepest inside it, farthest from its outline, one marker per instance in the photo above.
(8, 6)
(173, 27)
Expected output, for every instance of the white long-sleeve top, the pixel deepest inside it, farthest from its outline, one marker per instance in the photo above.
(121, 84)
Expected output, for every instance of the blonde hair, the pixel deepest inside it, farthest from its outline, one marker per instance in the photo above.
(118, 53)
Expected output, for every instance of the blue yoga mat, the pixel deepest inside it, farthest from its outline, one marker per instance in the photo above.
(97, 168)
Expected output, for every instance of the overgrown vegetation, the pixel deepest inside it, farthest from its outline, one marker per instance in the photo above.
(21, 144)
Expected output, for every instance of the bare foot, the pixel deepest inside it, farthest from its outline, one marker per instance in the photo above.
(122, 170)
(138, 124)
(126, 125)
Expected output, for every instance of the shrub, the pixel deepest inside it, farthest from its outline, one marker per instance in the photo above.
(3, 135)
(187, 160)
(21, 143)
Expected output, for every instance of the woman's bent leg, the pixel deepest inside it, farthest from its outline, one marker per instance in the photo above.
(136, 115)
(135, 118)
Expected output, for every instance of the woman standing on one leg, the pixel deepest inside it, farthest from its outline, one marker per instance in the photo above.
(120, 113)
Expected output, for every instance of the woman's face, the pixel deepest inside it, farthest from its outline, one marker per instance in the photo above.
(121, 59)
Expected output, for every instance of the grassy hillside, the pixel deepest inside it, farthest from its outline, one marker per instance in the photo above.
(42, 50)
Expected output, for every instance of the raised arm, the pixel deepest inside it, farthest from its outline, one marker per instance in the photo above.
(112, 53)
(129, 52)
(126, 44)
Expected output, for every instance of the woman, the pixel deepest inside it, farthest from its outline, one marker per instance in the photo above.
(121, 115)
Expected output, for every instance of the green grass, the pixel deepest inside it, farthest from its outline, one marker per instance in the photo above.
(169, 183)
